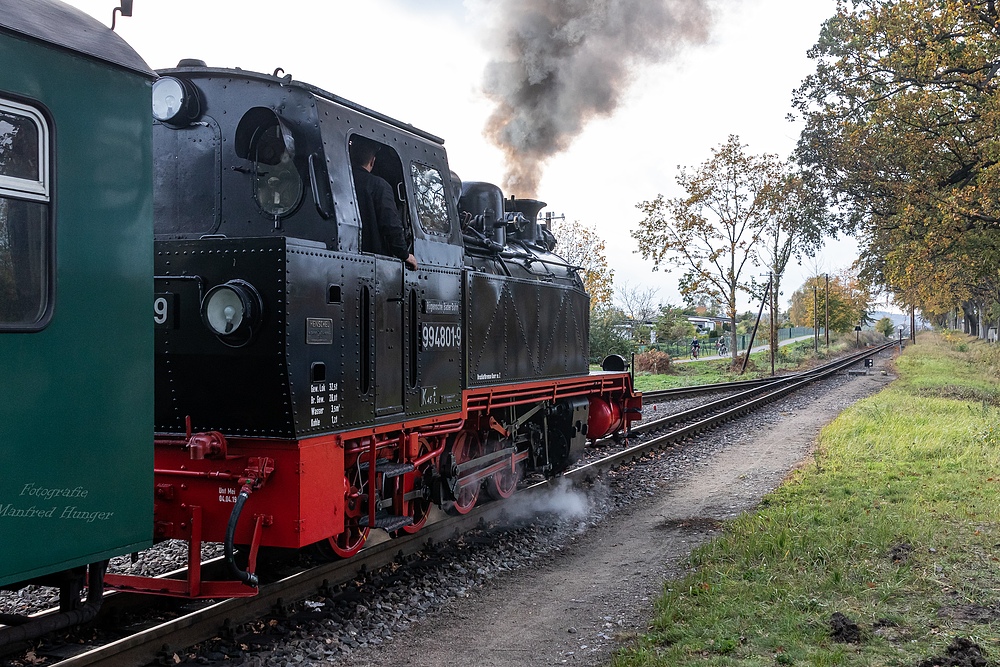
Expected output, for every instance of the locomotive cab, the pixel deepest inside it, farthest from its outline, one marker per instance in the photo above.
(266, 165)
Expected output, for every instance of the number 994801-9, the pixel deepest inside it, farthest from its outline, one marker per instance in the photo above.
(435, 336)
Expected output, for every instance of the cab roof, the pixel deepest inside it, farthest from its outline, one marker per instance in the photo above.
(203, 71)
(60, 25)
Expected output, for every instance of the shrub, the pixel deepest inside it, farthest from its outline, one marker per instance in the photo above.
(737, 365)
(654, 362)
(886, 327)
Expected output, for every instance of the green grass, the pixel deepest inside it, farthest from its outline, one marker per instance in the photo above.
(794, 357)
(913, 471)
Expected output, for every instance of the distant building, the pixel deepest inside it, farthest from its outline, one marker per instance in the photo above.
(706, 323)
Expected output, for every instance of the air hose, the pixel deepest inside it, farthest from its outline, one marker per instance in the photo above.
(248, 578)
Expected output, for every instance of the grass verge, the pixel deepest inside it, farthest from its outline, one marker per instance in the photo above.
(894, 525)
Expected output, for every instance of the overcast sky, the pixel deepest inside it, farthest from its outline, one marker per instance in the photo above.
(422, 61)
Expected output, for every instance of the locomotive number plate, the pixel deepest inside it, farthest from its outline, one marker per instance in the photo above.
(435, 336)
(164, 309)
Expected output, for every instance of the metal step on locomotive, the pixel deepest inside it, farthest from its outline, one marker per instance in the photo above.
(302, 391)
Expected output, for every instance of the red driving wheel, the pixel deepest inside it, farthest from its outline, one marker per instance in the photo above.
(419, 507)
(465, 447)
(353, 538)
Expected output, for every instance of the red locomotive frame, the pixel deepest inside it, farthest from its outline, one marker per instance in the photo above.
(291, 490)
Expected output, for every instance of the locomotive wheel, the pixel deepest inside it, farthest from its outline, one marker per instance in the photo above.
(502, 484)
(353, 538)
(349, 542)
(465, 448)
(419, 508)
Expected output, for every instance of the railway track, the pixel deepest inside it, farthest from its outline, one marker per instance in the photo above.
(705, 389)
(741, 385)
(160, 640)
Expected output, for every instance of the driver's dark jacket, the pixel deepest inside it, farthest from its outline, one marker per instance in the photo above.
(381, 229)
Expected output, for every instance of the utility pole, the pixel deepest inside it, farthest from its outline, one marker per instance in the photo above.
(827, 327)
(753, 334)
(771, 304)
(816, 316)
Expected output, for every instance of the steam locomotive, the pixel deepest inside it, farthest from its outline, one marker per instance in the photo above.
(302, 391)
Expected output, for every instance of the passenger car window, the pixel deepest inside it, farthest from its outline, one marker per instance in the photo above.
(25, 234)
(432, 203)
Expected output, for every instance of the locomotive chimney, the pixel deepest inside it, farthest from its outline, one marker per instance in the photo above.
(528, 208)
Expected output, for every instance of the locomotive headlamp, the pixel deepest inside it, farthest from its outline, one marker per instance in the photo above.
(175, 101)
(232, 311)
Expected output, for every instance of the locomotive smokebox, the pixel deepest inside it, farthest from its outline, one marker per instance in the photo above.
(529, 209)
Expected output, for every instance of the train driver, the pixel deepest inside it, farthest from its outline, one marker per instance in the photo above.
(381, 228)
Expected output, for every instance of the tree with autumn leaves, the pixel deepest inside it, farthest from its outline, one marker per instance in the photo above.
(901, 119)
(580, 245)
(848, 300)
(739, 212)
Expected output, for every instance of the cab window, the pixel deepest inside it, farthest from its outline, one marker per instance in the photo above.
(277, 183)
(25, 234)
(268, 143)
(431, 200)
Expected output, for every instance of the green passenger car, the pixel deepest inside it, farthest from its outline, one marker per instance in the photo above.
(76, 283)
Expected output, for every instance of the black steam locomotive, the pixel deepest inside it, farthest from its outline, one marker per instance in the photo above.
(325, 391)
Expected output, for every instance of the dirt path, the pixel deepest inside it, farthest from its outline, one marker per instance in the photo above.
(578, 605)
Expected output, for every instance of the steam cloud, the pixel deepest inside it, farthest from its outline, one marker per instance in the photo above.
(561, 499)
(563, 62)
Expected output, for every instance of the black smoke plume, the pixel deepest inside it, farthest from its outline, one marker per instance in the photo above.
(560, 63)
